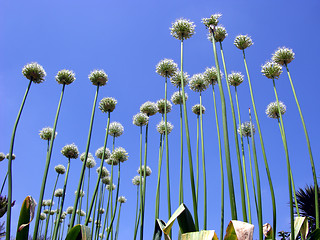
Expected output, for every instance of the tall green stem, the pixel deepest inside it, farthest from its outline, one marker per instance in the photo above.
(274, 224)
(136, 223)
(158, 182)
(194, 201)
(181, 153)
(88, 187)
(197, 170)
(118, 221)
(44, 179)
(316, 202)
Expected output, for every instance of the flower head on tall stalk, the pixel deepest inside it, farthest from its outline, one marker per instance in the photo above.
(82, 193)
(271, 70)
(245, 129)
(91, 163)
(121, 200)
(161, 127)
(70, 151)
(198, 83)
(196, 109)
(2, 156)
(65, 77)
(116, 129)
(176, 79)
(83, 155)
(58, 192)
(272, 109)
(136, 180)
(212, 21)
(220, 34)
(60, 169)
(283, 56)
(243, 41)
(104, 173)
(34, 72)
(141, 171)
(182, 29)
(46, 133)
(98, 77)
(211, 76)
(13, 156)
(140, 119)
(119, 155)
(162, 104)
(149, 108)
(107, 104)
(103, 154)
(176, 98)
(166, 68)
(235, 79)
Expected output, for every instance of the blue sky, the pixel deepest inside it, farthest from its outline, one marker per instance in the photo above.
(127, 39)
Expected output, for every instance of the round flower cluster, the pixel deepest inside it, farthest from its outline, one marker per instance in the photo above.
(104, 172)
(242, 42)
(161, 127)
(100, 152)
(211, 21)
(245, 129)
(81, 213)
(176, 97)
(101, 211)
(81, 193)
(107, 104)
(65, 77)
(2, 156)
(46, 133)
(47, 203)
(136, 180)
(176, 79)
(83, 155)
(149, 108)
(141, 171)
(111, 187)
(235, 79)
(106, 180)
(122, 199)
(161, 106)
(43, 216)
(34, 72)
(69, 210)
(70, 151)
(182, 29)
(220, 33)
(91, 163)
(166, 68)
(140, 119)
(272, 110)
(283, 56)
(119, 155)
(13, 157)
(116, 129)
(198, 83)
(196, 109)
(58, 192)
(211, 75)
(63, 215)
(98, 77)
(271, 70)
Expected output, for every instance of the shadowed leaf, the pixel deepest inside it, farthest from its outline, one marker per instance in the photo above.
(79, 232)
(238, 230)
(301, 225)
(202, 235)
(25, 218)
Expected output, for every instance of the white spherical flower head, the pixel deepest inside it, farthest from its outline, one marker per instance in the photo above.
(69, 210)
(161, 105)
(176, 97)
(235, 79)
(100, 152)
(109, 187)
(101, 211)
(101, 236)
(283, 56)
(245, 129)
(136, 180)
(119, 155)
(149, 108)
(91, 163)
(34, 72)
(198, 83)
(46, 211)
(65, 77)
(98, 77)
(115, 129)
(243, 41)
(58, 192)
(104, 172)
(83, 155)
(106, 180)
(211, 75)
(271, 70)
(140, 119)
(182, 29)
(52, 212)
(166, 68)
(81, 213)
(13, 157)
(107, 104)
(196, 109)
(70, 151)
(82, 193)
(212, 21)
(176, 79)
(272, 110)
(63, 215)
(220, 33)
(2, 156)
(111, 162)
(46, 133)
(43, 216)
(162, 126)
(122, 199)
(141, 171)
(49, 203)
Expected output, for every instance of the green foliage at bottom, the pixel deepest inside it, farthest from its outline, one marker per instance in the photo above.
(79, 232)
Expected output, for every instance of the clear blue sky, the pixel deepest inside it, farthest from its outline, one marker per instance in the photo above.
(127, 39)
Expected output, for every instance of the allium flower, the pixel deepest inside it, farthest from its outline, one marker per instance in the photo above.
(149, 108)
(70, 151)
(136, 180)
(63, 215)
(122, 199)
(81, 193)
(272, 109)
(13, 157)
(283, 56)
(235, 79)
(98, 77)
(69, 210)
(196, 109)
(242, 42)
(271, 70)
(105, 172)
(211, 21)
(148, 171)
(58, 192)
(52, 212)
(161, 103)
(119, 155)
(90, 220)
(49, 203)
(99, 153)
(65, 77)
(34, 72)
(82, 156)
(106, 180)
(176, 79)
(107, 104)
(246, 129)
(211, 75)
(140, 119)
(166, 68)
(101, 211)
(81, 212)
(43, 216)
(115, 129)
(176, 97)
(91, 163)
(46, 211)
(198, 83)
(46, 133)
(113, 162)
(101, 236)
(108, 187)
(182, 29)
(161, 127)
(2, 156)
(220, 33)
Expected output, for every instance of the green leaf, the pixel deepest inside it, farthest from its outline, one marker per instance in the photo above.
(157, 231)
(315, 235)
(301, 225)
(202, 235)
(238, 230)
(79, 232)
(25, 218)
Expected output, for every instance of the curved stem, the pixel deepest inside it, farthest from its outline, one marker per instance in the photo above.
(181, 153)
(158, 182)
(4, 182)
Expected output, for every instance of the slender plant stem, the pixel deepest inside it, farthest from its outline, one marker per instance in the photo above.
(316, 202)
(225, 134)
(55, 220)
(81, 197)
(93, 217)
(85, 160)
(194, 201)
(274, 210)
(107, 213)
(118, 221)
(45, 175)
(181, 152)
(241, 174)
(141, 189)
(64, 221)
(197, 170)
(4, 182)
(136, 223)
(158, 182)
(88, 187)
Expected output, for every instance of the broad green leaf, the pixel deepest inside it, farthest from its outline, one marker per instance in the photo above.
(202, 235)
(25, 218)
(301, 225)
(238, 230)
(267, 231)
(79, 232)
(315, 235)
